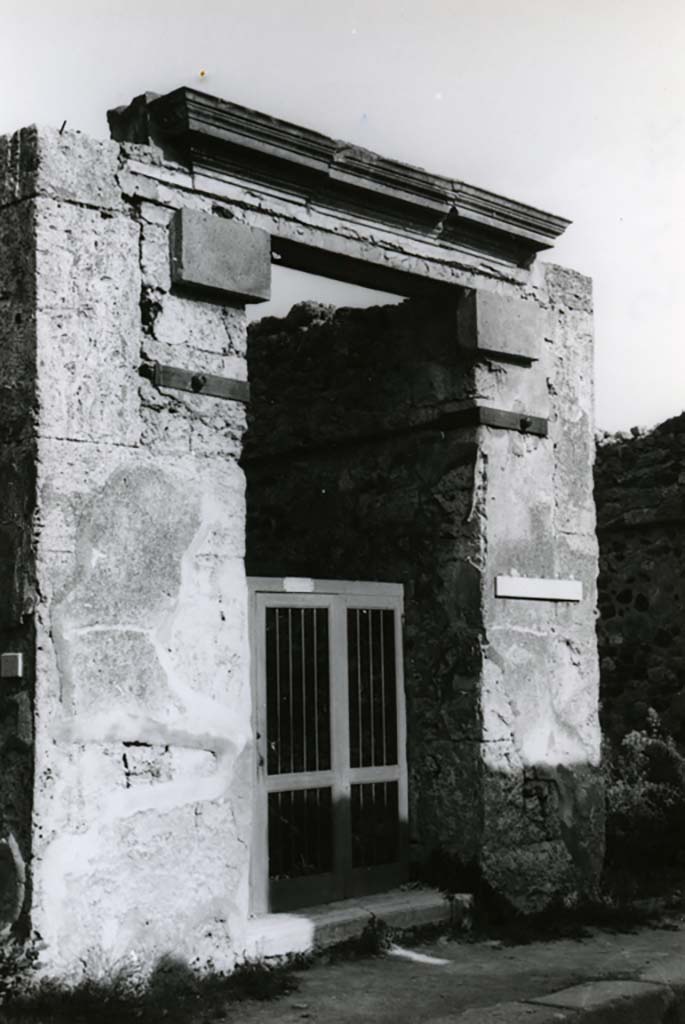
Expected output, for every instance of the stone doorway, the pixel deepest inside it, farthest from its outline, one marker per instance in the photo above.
(355, 470)
(444, 444)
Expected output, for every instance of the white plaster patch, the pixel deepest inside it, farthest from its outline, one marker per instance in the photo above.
(539, 694)
(135, 782)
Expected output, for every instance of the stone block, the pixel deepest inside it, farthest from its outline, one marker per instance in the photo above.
(634, 1002)
(514, 387)
(88, 324)
(667, 971)
(154, 255)
(530, 876)
(500, 325)
(568, 288)
(509, 1013)
(179, 421)
(66, 165)
(181, 323)
(220, 257)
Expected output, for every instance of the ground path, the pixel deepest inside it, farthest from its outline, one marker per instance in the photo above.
(489, 983)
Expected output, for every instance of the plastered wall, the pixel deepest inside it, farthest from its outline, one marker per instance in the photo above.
(126, 745)
(130, 593)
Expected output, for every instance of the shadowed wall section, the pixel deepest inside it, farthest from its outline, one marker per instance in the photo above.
(17, 564)
(640, 494)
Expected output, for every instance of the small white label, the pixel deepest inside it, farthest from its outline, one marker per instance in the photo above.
(298, 585)
(535, 589)
(11, 666)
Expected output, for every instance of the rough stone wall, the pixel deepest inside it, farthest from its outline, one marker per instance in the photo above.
(353, 471)
(340, 486)
(640, 494)
(17, 588)
(140, 786)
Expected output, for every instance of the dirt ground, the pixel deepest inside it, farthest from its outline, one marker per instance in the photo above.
(394, 990)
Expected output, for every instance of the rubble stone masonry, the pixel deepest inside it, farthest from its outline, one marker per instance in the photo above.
(640, 494)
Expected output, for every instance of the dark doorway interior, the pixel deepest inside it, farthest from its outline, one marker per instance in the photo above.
(354, 472)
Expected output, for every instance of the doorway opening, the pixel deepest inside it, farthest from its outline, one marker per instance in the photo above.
(330, 727)
(355, 473)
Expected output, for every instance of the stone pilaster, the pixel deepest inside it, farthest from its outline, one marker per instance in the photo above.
(543, 818)
(140, 728)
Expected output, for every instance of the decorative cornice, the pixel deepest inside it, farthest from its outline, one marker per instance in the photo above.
(218, 138)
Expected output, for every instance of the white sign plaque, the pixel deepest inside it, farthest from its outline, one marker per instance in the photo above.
(535, 589)
(298, 585)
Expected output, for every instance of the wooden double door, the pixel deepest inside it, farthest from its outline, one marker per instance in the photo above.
(331, 810)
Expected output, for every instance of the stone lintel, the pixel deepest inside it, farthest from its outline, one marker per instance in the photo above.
(220, 258)
(224, 139)
(338, 263)
(500, 325)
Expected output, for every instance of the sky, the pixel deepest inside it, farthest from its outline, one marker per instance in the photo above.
(573, 106)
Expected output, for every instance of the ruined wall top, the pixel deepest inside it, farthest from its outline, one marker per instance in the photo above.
(639, 480)
(224, 140)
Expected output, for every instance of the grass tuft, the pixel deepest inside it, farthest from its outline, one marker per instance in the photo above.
(175, 993)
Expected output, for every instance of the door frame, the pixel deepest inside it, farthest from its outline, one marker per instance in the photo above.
(338, 595)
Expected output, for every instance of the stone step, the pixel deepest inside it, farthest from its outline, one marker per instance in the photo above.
(275, 935)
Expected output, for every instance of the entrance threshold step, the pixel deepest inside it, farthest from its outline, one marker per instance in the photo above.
(273, 935)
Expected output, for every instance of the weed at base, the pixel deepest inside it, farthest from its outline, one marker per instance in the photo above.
(175, 993)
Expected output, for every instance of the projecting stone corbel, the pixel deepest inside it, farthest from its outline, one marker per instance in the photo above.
(500, 326)
(219, 259)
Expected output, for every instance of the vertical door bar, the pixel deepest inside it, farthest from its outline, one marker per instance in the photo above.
(360, 727)
(372, 708)
(260, 826)
(316, 698)
(381, 619)
(290, 688)
(402, 782)
(341, 741)
(303, 642)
